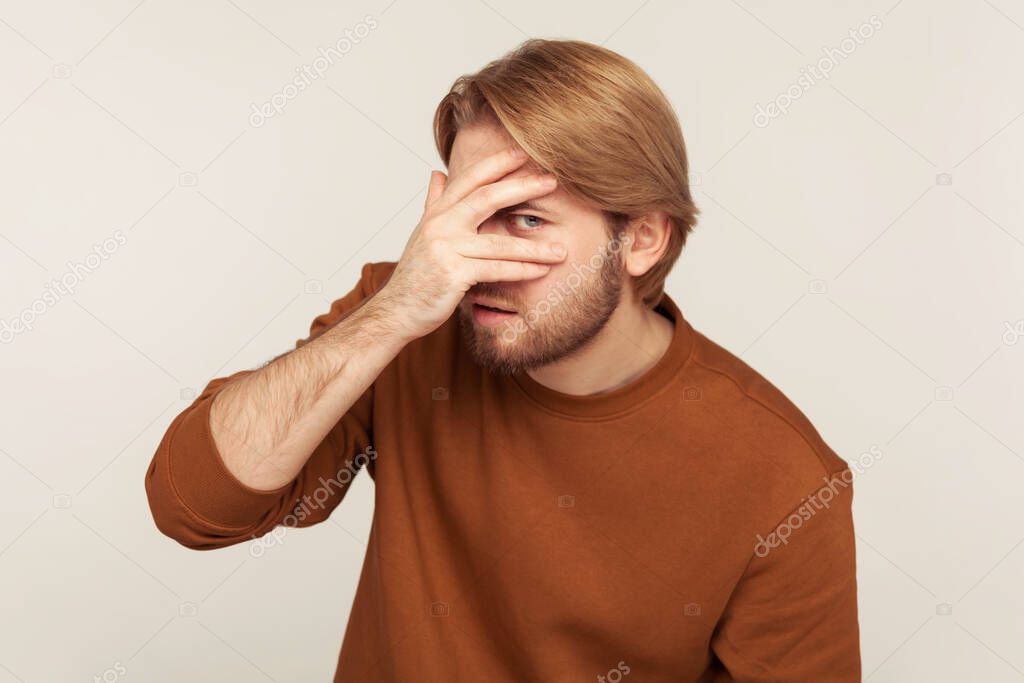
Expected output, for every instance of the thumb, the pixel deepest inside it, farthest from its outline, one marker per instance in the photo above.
(438, 181)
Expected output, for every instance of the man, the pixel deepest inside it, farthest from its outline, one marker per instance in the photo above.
(571, 482)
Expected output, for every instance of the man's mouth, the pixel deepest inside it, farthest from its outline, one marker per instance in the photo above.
(490, 313)
(495, 308)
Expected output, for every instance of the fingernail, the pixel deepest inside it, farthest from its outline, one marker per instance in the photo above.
(558, 249)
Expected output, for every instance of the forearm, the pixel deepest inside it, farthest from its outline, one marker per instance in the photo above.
(267, 423)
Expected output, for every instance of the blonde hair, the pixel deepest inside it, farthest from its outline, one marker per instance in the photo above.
(594, 119)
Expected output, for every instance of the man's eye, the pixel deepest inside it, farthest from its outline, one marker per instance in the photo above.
(524, 221)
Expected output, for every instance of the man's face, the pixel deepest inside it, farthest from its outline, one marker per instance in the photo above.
(558, 313)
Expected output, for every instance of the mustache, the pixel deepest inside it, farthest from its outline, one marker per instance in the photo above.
(494, 291)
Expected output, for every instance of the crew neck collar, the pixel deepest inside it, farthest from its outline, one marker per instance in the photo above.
(625, 398)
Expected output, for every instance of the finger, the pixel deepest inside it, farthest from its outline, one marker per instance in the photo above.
(435, 188)
(489, 169)
(508, 248)
(485, 201)
(489, 270)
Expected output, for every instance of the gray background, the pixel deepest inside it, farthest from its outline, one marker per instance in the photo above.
(864, 251)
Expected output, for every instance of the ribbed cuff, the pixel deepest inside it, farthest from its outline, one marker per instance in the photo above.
(203, 482)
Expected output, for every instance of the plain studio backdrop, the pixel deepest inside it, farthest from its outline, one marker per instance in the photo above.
(861, 244)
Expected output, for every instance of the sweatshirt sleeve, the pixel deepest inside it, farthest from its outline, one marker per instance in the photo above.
(793, 615)
(195, 499)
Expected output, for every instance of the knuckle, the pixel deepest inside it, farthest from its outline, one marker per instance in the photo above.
(487, 194)
(498, 245)
(435, 250)
(469, 207)
(530, 183)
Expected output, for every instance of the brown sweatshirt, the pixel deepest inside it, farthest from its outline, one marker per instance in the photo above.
(689, 526)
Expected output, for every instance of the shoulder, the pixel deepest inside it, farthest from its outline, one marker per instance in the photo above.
(767, 438)
(375, 274)
(372, 277)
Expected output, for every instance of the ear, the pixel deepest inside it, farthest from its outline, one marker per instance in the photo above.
(646, 242)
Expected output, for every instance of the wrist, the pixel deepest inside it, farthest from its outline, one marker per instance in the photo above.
(390, 320)
(376, 324)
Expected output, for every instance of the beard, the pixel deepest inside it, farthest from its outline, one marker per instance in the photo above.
(548, 331)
